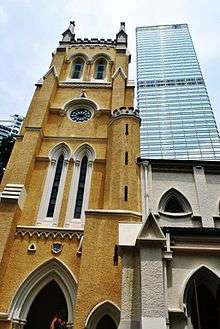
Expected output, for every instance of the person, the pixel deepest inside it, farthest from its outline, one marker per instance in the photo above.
(63, 324)
(56, 322)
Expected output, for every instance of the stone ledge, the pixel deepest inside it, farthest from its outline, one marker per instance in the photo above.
(47, 232)
(14, 193)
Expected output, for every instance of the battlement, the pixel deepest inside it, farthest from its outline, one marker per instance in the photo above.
(69, 37)
(125, 111)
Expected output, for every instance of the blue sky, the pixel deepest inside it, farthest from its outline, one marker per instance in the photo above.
(30, 31)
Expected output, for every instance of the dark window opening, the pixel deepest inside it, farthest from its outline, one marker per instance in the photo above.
(55, 188)
(106, 322)
(77, 69)
(126, 158)
(81, 188)
(126, 129)
(100, 69)
(126, 193)
(173, 205)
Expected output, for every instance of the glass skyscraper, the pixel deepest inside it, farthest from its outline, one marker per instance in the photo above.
(177, 118)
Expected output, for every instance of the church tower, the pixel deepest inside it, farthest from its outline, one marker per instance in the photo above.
(71, 178)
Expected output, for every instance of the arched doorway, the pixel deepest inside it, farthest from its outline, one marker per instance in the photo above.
(51, 286)
(49, 301)
(105, 315)
(203, 300)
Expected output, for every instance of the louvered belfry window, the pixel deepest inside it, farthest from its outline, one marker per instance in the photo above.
(81, 188)
(55, 187)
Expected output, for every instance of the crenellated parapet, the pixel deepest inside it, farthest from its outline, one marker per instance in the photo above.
(69, 38)
(124, 110)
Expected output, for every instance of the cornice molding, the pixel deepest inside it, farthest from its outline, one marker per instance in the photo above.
(47, 232)
(84, 84)
(113, 212)
(77, 139)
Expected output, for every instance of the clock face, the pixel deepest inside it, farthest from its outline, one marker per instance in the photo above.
(80, 115)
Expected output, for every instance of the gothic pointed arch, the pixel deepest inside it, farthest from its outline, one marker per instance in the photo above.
(101, 67)
(84, 56)
(106, 313)
(101, 55)
(50, 271)
(61, 148)
(83, 158)
(201, 299)
(174, 203)
(51, 201)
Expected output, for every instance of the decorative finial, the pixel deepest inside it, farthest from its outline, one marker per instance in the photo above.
(69, 34)
(122, 27)
(72, 27)
(121, 36)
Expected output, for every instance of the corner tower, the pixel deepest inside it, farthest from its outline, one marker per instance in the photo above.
(71, 178)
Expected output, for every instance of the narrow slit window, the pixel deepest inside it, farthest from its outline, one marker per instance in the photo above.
(126, 129)
(126, 158)
(126, 193)
(81, 188)
(55, 187)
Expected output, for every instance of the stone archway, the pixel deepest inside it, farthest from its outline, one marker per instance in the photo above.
(202, 300)
(105, 315)
(53, 273)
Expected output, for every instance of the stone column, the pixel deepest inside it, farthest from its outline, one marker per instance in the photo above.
(153, 309)
(202, 196)
(130, 296)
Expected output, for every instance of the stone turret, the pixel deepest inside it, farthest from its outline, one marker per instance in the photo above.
(69, 34)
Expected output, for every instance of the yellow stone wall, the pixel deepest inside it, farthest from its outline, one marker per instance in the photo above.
(44, 128)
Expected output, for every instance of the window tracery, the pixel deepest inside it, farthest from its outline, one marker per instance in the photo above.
(54, 186)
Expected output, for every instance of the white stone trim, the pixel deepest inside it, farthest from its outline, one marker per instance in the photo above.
(48, 232)
(14, 193)
(114, 212)
(53, 155)
(187, 209)
(119, 71)
(105, 307)
(39, 278)
(70, 221)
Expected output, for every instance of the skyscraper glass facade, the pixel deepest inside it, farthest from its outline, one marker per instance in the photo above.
(177, 118)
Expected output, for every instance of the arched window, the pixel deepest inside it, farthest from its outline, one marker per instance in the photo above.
(77, 68)
(100, 69)
(173, 202)
(202, 300)
(80, 186)
(54, 185)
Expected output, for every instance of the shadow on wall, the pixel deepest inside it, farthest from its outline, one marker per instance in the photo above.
(6, 146)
